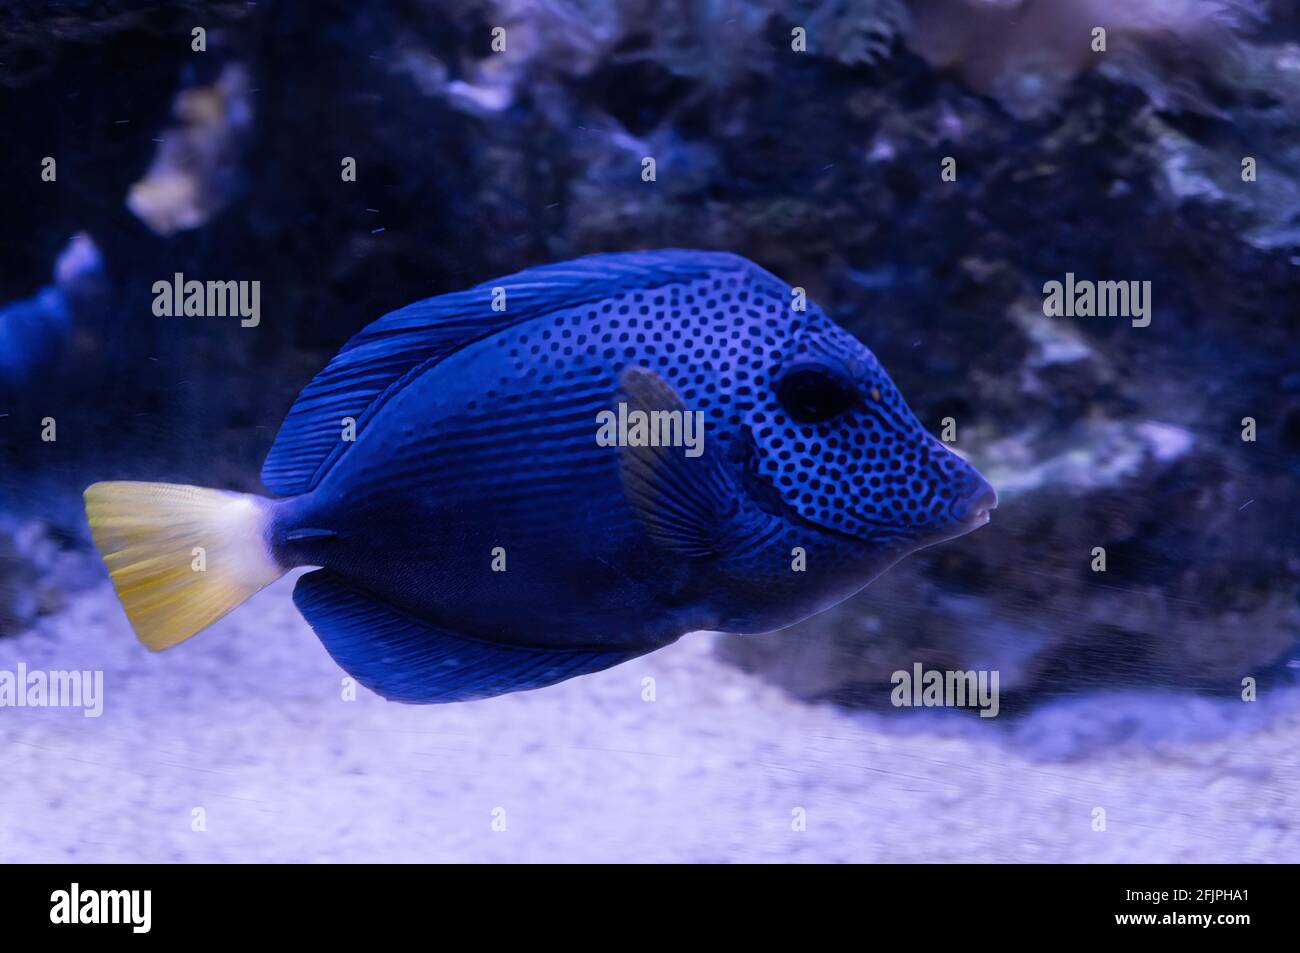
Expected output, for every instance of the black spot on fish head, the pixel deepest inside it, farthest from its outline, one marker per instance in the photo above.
(835, 439)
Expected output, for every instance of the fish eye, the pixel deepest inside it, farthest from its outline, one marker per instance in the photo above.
(813, 395)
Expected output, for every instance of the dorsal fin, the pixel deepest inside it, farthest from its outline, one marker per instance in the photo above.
(379, 360)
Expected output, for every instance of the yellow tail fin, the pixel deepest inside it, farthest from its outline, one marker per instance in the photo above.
(180, 557)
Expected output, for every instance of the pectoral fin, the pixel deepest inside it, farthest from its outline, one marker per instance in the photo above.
(693, 506)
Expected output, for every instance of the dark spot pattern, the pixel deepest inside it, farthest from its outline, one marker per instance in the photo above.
(722, 343)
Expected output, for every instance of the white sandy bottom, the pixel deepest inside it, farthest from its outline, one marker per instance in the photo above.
(247, 723)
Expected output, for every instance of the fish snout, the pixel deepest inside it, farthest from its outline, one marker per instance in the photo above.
(976, 501)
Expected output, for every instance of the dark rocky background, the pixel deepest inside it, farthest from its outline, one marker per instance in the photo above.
(823, 166)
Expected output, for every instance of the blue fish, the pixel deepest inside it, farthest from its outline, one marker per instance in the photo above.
(32, 334)
(555, 472)
(35, 331)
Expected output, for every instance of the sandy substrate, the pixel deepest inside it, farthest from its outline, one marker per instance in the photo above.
(248, 724)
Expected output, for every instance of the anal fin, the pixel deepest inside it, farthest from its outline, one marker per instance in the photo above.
(407, 660)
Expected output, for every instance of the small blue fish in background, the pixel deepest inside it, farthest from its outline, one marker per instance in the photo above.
(476, 537)
(34, 331)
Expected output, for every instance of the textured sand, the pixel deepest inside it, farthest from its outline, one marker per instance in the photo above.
(247, 723)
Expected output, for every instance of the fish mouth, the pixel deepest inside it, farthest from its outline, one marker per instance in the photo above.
(976, 509)
(965, 516)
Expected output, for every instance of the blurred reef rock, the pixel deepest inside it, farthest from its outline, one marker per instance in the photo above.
(822, 164)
